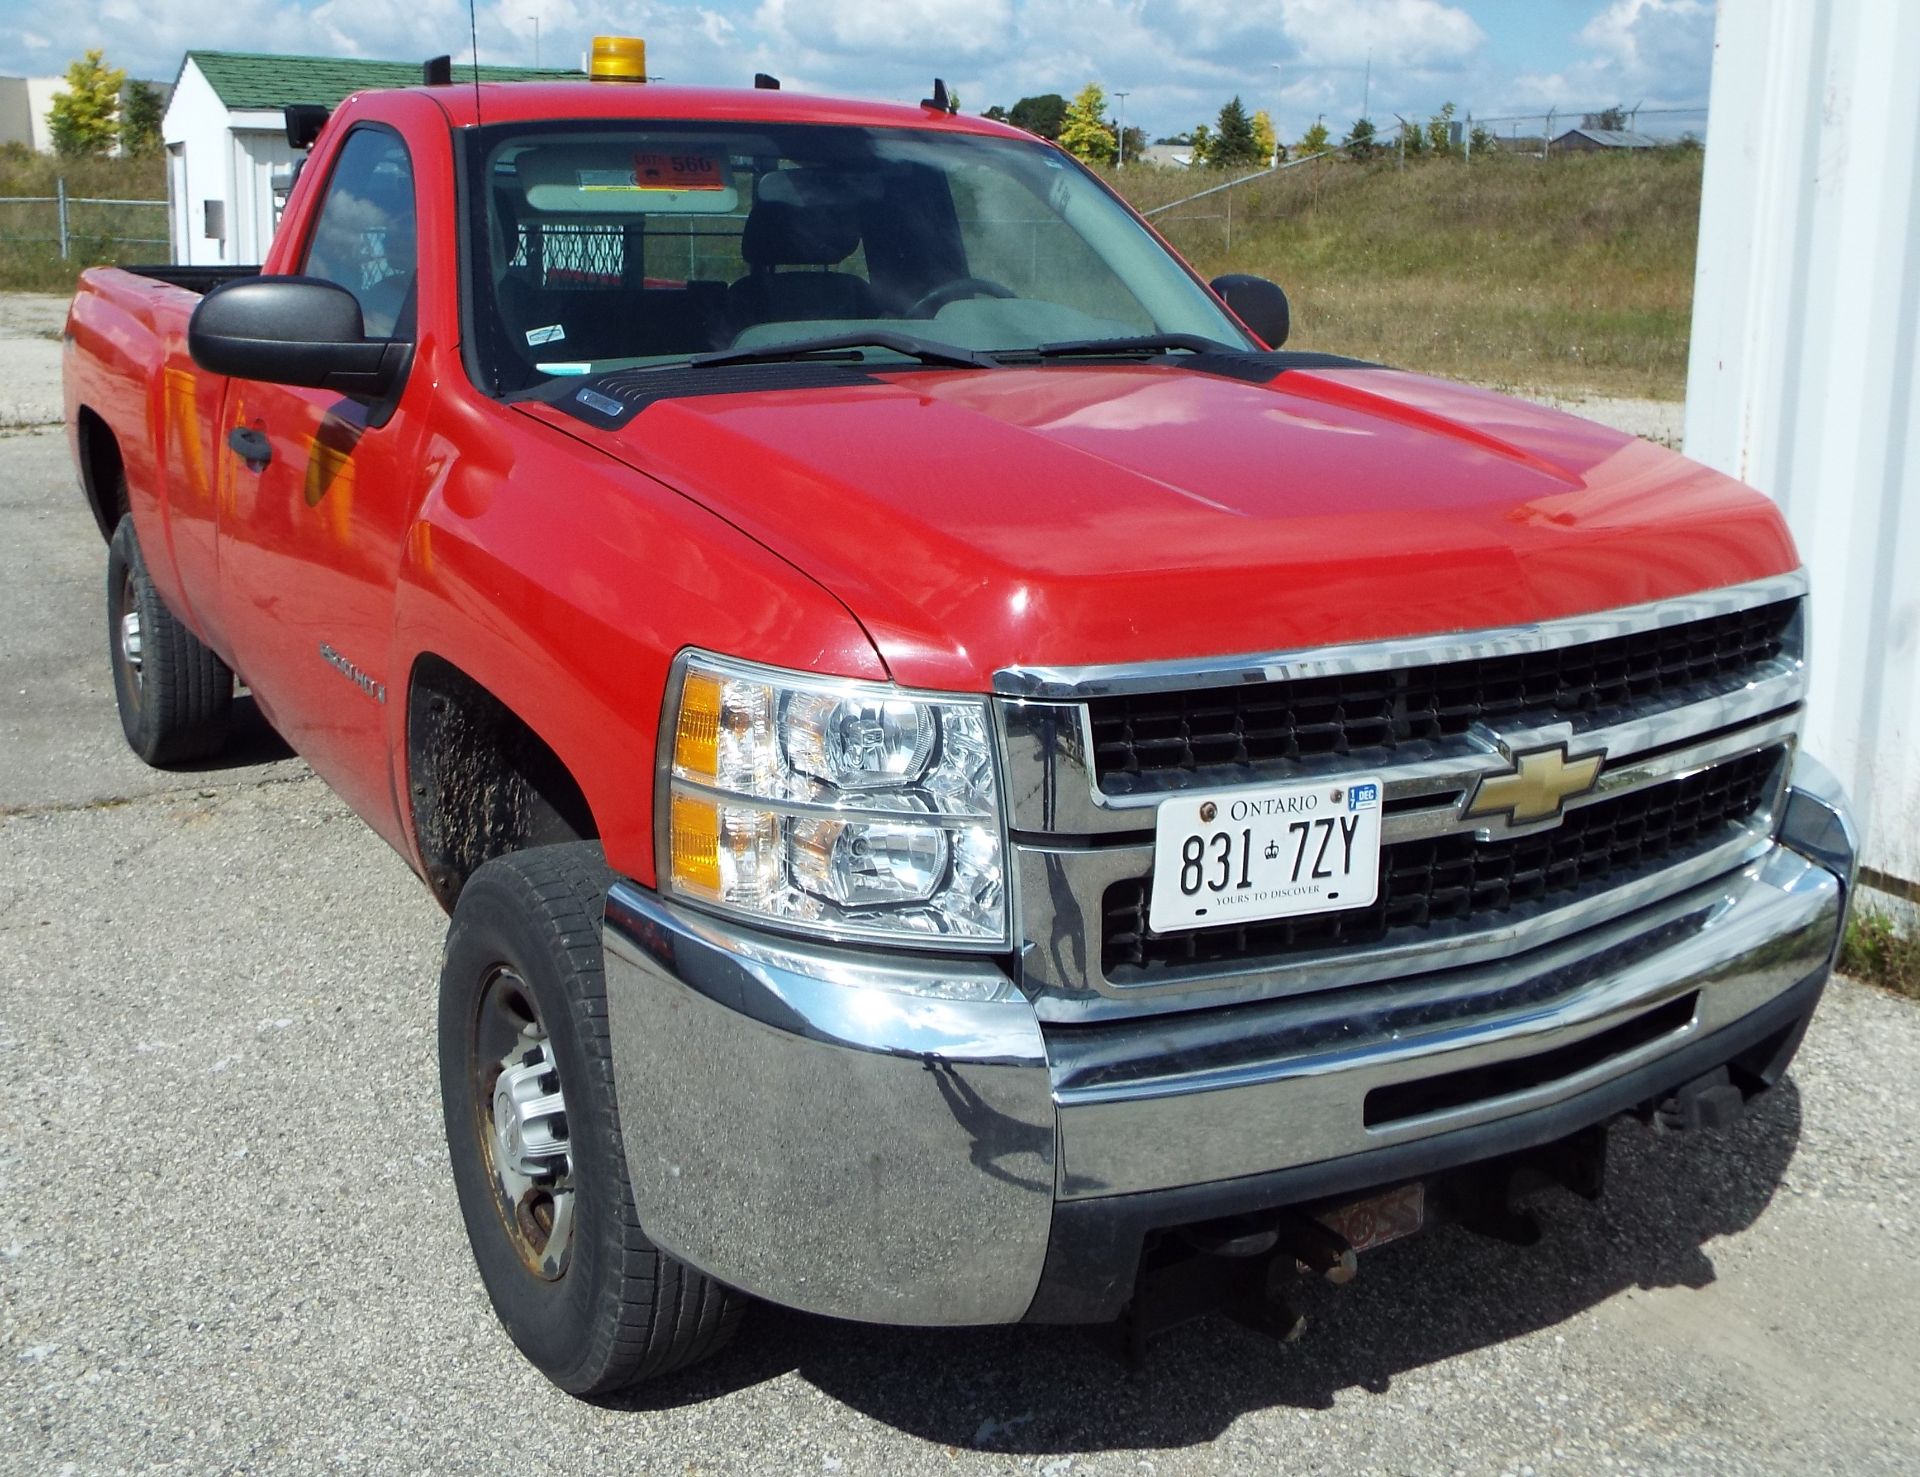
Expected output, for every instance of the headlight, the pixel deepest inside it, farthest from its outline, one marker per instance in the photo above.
(847, 808)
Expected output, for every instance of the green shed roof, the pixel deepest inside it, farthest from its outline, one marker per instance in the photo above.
(250, 81)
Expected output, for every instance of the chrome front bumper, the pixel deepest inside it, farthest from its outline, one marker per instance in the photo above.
(899, 1140)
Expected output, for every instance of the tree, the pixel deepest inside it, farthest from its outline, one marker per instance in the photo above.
(1361, 140)
(140, 120)
(1202, 140)
(1316, 138)
(1265, 139)
(1614, 118)
(1412, 139)
(1136, 142)
(1085, 132)
(997, 113)
(85, 119)
(1480, 140)
(1043, 115)
(1440, 131)
(953, 100)
(1234, 143)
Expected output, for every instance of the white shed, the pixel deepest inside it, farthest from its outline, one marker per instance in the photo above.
(1804, 377)
(225, 132)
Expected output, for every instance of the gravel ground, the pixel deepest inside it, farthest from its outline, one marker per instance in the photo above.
(30, 360)
(229, 1241)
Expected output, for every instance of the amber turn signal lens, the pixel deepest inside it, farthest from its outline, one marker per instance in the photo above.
(696, 735)
(695, 844)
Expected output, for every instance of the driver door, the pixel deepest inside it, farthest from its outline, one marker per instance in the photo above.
(320, 490)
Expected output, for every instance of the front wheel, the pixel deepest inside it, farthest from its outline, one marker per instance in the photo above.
(526, 1082)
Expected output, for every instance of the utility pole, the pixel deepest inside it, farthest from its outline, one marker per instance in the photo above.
(536, 40)
(1274, 161)
(1123, 130)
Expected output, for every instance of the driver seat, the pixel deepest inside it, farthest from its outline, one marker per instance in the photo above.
(794, 235)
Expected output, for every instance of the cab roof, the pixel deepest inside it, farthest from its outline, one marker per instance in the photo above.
(536, 102)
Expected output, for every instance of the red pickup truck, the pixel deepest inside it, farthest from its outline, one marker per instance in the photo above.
(971, 785)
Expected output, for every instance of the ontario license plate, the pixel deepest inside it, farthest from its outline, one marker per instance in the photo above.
(1380, 1218)
(1276, 852)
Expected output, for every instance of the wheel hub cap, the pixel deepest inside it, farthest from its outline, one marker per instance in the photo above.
(523, 1124)
(529, 1120)
(130, 646)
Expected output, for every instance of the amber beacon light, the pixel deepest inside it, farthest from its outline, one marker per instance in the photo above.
(618, 59)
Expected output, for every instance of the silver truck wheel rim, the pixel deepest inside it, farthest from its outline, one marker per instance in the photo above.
(522, 1124)
(131, 641)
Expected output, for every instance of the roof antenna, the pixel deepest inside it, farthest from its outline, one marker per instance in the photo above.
(473, 34)
(938, 102)
(766, 81)
(437, 71)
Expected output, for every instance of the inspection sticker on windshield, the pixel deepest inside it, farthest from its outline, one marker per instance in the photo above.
(1277, 852)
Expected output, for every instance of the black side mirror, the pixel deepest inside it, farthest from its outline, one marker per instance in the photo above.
(293, 331)
(1258, 303)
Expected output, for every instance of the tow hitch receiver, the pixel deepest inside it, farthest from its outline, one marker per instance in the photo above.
(1244, 1267)
(1247, 1267)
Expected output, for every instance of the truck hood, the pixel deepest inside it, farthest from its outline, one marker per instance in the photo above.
(1060, 516)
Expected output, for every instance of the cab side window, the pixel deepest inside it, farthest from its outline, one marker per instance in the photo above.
(364, 236)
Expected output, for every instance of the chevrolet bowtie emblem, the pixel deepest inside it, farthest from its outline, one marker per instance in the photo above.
(1538, 786)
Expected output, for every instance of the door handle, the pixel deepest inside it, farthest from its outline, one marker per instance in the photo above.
(252, 446)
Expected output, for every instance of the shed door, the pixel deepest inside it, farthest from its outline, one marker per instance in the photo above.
(256, 209)
(179, 204)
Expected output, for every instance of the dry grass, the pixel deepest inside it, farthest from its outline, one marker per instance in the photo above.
(30, 258)
(1879, 951)
(1569, 274)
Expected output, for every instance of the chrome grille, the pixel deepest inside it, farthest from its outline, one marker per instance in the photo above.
(1143, 740)
(1694, 701)
(1454, 879)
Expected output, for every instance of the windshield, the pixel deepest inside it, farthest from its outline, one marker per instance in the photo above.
(634, 245)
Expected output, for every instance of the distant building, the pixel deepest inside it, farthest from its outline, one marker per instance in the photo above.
(1594, 140)
(1172, 156)
(225, 132)
(24, 103)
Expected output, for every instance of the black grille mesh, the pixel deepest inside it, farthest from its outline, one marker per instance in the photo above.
(1451, 878)
(1137, 737)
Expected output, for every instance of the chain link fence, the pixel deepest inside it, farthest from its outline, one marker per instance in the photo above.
(84, 228)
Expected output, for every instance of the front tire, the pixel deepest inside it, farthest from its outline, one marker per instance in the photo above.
(175, 696)
(533, 1129)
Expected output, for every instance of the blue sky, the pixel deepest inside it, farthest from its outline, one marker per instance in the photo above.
(1177, 59)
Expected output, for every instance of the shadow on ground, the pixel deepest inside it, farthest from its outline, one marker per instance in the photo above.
(1042, 1391)
(251, 742)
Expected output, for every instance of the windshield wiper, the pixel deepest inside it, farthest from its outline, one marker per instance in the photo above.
(1141, 346)
(844, 345)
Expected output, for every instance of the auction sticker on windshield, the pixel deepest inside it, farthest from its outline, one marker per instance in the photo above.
(1275, 852)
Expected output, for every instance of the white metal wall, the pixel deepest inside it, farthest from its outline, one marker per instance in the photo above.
(1803, 377)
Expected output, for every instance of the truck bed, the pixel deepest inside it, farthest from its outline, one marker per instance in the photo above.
(200, 280)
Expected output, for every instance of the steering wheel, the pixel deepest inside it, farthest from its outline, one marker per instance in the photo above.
(955, 291)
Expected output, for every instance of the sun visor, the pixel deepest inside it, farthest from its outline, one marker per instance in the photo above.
(615, 179)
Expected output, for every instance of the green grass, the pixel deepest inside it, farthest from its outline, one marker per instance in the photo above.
(1573, 273)
(1879, 951)
(29, 249)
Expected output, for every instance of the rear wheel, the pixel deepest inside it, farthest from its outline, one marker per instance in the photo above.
(175, 696)
(534, 1134)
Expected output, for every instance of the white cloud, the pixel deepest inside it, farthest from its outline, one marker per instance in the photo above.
(1395, 33)
(1178, 59)
(929, 28)
(1656, 52)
